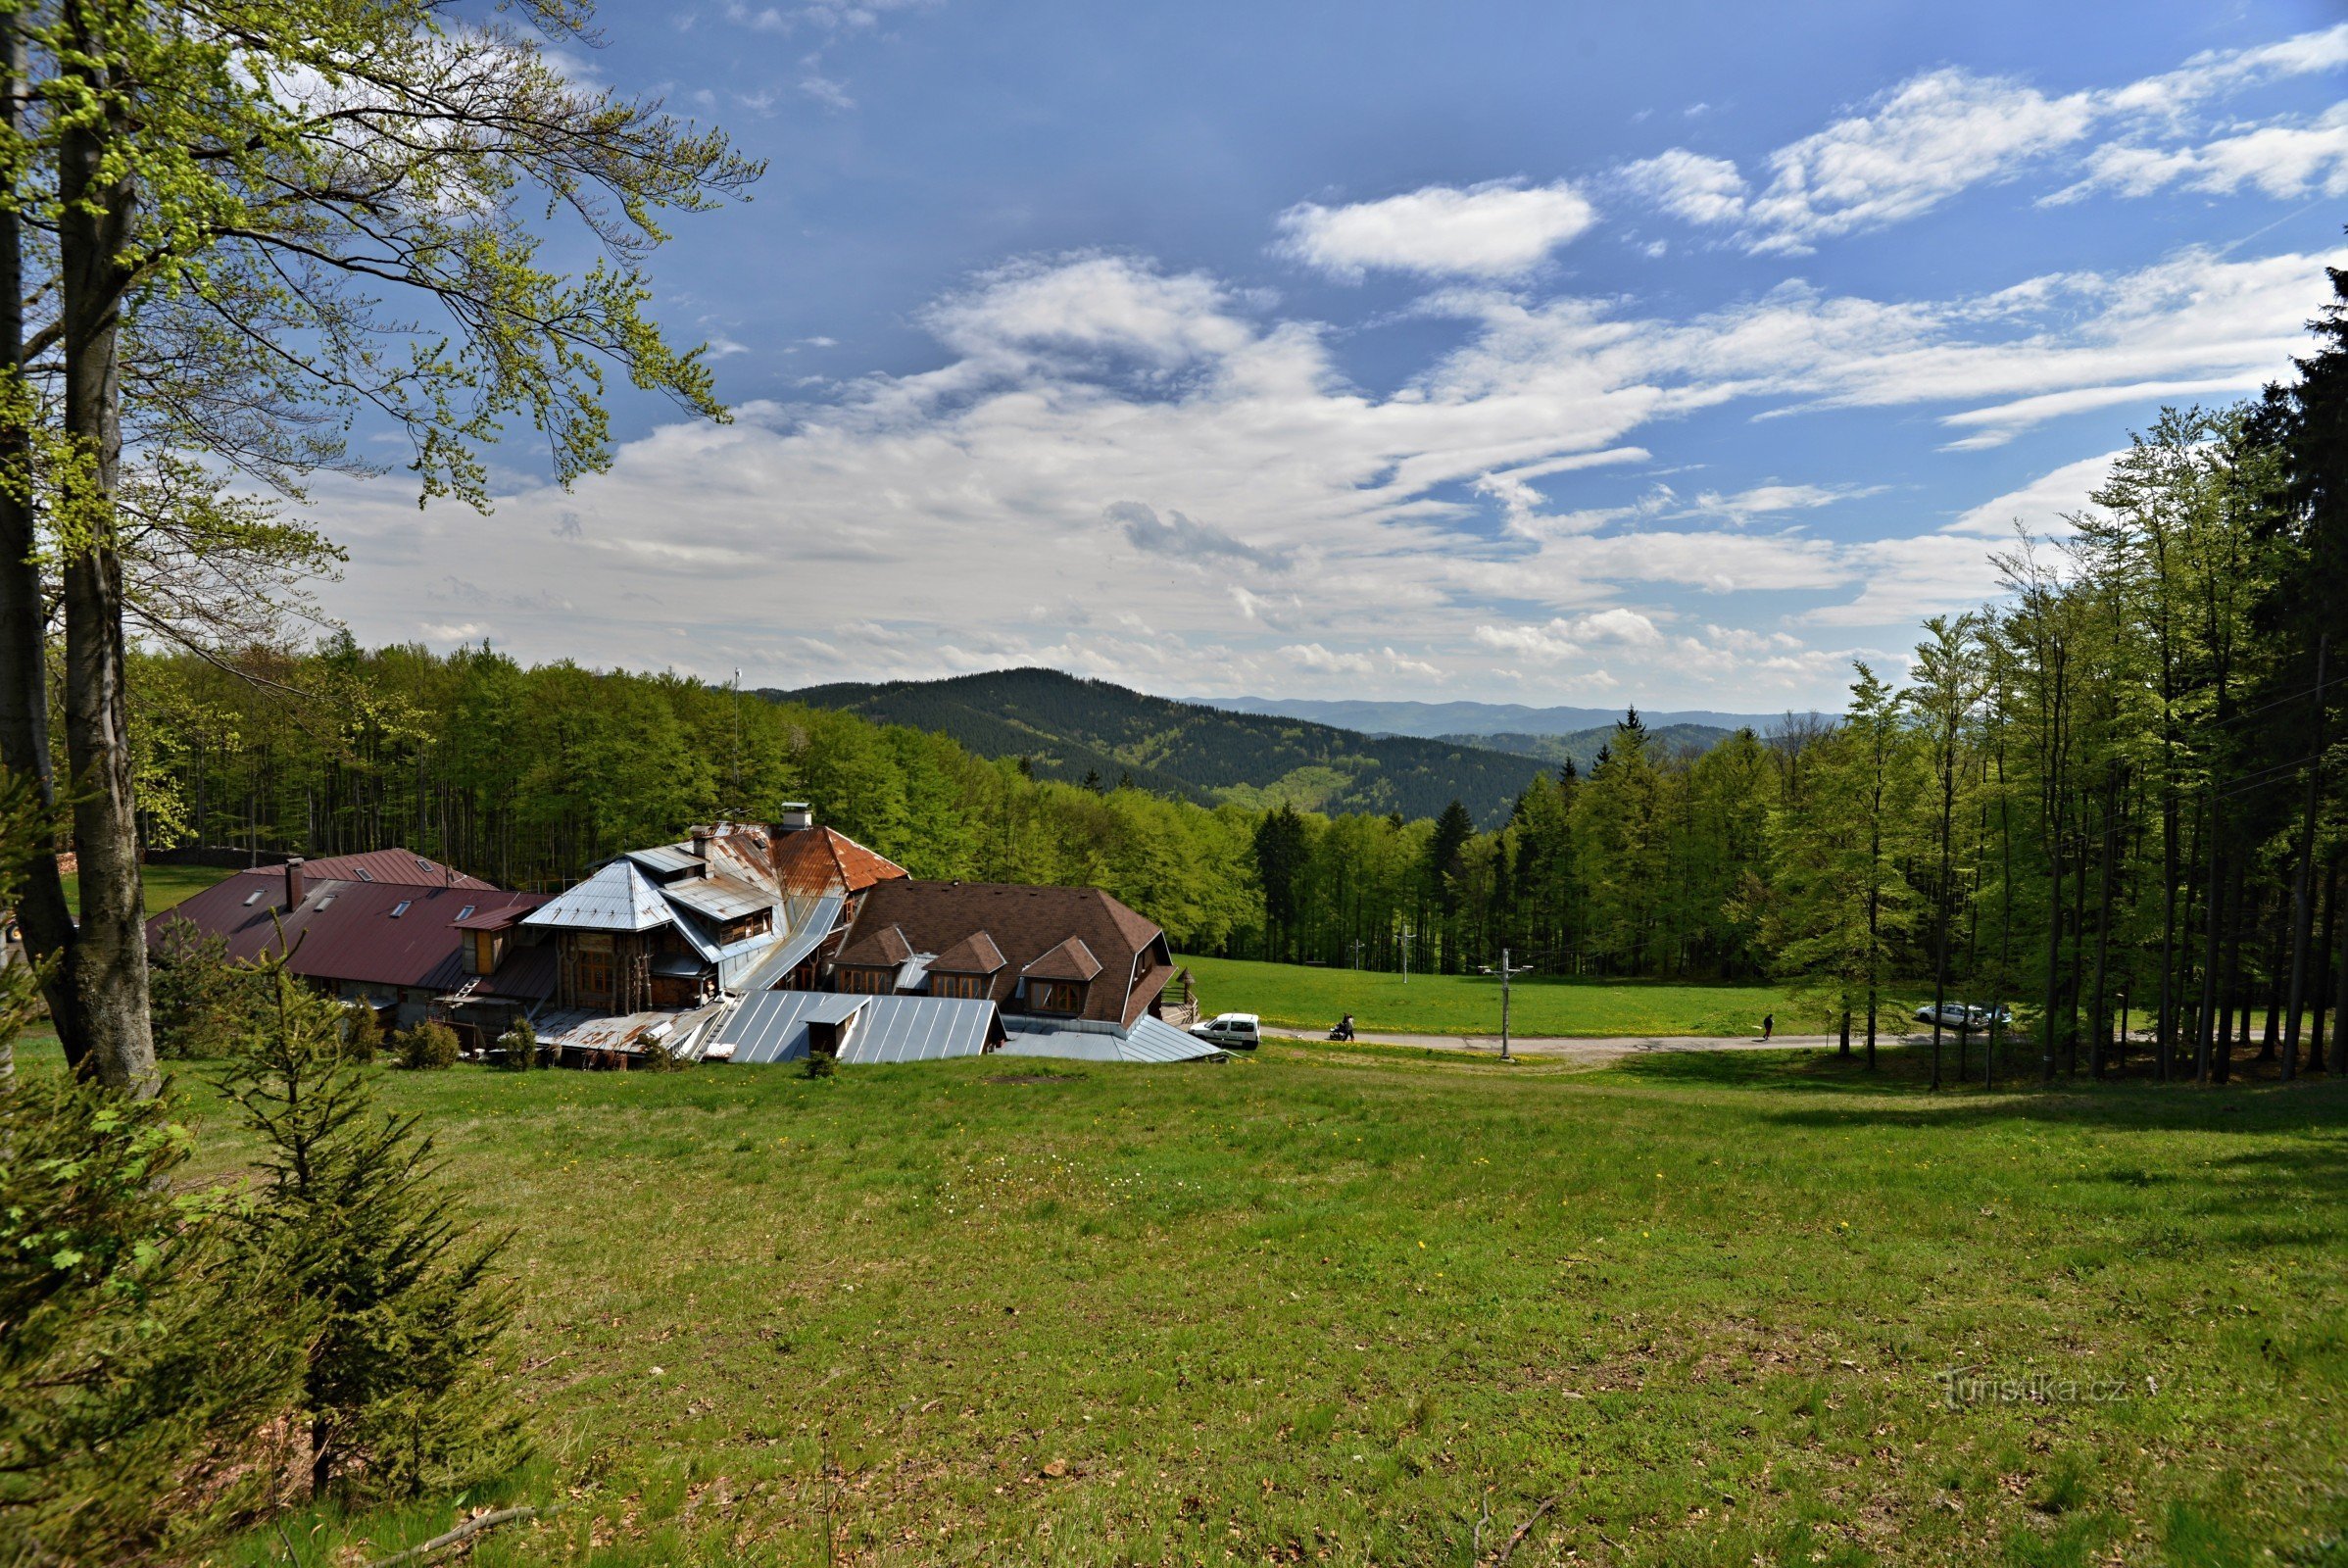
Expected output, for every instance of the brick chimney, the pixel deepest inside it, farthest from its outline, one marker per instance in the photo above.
(296, 886)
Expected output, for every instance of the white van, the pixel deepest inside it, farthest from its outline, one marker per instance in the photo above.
(1233, 1031)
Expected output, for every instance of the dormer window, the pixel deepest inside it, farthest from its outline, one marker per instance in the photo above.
(1055, 996)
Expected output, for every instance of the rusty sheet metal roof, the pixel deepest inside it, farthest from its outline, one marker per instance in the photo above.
(667, 860)
(816, 860)
(720, 898)
(617, 897)
(405, 867)
(772, 1027)
(685, 1034)
(346, 930)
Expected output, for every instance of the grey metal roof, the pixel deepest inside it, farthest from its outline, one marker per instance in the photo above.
(772, 1026)
(720, 898)
(787, 955)
(617, 897)
(1147, 1040)
(667, 860)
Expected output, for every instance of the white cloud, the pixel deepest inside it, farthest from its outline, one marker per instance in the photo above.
(825, 91)
(1928, 138)
(1372, 662)
(1911, 149)
(1146, 475)
(1689, 186)
(1768, 499)
(1090, 306)
(2040, 507)
(2283, 160)
(1499, 230)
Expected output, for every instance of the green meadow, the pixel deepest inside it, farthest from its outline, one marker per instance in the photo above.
(1293, 996)
(1364, 1306)
(163, 885)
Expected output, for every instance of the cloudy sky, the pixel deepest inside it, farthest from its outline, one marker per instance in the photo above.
(1513, 352)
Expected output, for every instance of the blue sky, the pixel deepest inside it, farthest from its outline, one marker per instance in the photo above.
(1676, 353)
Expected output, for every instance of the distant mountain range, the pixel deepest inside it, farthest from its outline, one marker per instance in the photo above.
(1074, 729)
(1582, 745)
(1477, 720)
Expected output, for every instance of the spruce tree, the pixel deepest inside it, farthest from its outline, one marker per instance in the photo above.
(400, 1390)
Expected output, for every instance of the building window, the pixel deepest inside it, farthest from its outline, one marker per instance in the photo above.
(400, 907)
(1055, 996)
(591, 973)
(868, 982)
(466, 913)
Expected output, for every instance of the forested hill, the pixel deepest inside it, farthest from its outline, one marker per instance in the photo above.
(1074, 729)
(1582, 745)
(1479, 722)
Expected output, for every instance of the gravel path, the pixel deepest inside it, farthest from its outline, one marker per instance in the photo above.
(1568, 1048)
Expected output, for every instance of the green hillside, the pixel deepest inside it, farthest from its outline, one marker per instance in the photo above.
(1075, 729)
(1583, 745)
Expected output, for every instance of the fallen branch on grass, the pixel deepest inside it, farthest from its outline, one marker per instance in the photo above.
(1522, 1531)
(464, 1532)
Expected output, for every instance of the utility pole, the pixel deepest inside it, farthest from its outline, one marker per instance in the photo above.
(1357, 945)
(1407, 955)
(1504, 1055)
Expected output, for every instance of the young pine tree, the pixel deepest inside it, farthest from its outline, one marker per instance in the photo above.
(400, 1390)
(139, 1364)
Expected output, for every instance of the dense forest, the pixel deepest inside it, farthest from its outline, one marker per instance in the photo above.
(2102, 796)
(1094, 731)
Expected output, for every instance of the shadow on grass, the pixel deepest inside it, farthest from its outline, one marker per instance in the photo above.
(1902, 1076)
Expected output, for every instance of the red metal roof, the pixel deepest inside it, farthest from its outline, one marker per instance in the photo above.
(396, 865)
(347, 930)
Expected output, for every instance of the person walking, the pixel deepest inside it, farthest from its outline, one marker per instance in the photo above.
(1769, 1021)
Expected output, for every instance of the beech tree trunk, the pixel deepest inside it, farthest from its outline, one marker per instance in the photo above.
(41, 907)
(107, 966)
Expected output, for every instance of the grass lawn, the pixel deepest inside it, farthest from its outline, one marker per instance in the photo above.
(1361, 1306)
(1295, 997)
(166, 885)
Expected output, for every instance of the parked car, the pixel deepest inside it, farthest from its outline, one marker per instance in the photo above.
(1233, 1031)
(1966, 1016)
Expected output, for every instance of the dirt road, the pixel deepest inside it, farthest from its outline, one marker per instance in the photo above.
(1568, 1048)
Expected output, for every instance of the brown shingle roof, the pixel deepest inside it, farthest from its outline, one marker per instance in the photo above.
(1024, 923)
(886, 946)
(1070, 960)
(975, 954)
